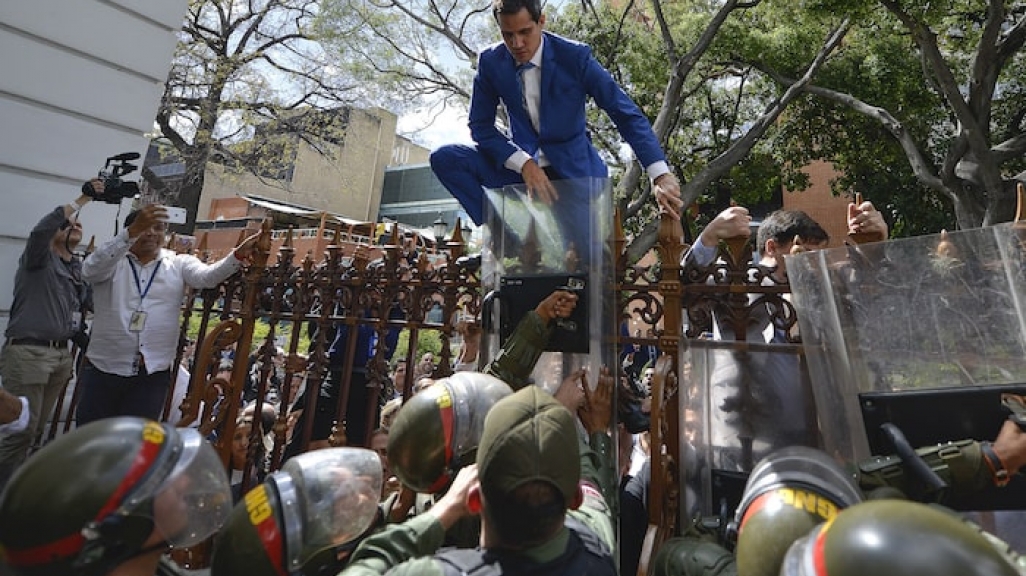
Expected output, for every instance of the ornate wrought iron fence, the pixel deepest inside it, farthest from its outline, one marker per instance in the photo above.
(316, 293)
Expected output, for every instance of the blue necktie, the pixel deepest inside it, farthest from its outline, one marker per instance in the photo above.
(521, 68)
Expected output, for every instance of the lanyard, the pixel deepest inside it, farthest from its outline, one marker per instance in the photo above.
(138, 284)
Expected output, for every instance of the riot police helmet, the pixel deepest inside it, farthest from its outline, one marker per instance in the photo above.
(897, 538)
(304, 518)
(437, 431)
(139, 486)
(788, 493)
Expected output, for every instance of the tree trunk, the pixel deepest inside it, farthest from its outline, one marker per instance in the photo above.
(188, 191)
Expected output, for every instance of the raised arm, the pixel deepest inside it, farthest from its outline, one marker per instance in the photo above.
(731, 223)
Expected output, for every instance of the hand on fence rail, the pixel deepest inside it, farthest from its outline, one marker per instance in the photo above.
(667, 195)
(244, 252)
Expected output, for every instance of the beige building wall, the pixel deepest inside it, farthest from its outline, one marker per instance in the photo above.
(406, 152)
(349, 184)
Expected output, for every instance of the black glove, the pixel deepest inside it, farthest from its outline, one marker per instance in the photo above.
(88, 190)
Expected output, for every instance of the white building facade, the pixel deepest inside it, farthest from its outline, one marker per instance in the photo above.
(80, 80)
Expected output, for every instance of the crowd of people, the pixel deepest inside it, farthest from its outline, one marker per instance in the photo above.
(159, 486)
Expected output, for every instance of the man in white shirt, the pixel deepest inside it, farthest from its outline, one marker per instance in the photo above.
(14, 412)
(138, 289)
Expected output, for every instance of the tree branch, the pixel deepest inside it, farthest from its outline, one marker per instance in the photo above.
(970, 126)
(674, 87)
(722, 163)
(1014, 147)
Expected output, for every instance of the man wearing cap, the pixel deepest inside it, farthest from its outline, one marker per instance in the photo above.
(537, 487)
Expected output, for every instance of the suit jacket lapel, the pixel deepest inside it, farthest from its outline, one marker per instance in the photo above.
(508, 80)
(548, 74)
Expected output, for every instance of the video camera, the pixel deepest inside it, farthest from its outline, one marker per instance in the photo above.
(114, 188)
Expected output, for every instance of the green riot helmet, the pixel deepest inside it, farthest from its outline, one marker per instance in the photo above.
(436, 432)
(789, 492)
(896, 538)
(138, 487)
(302, 517)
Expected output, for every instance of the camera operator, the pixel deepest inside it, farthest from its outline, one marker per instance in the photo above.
(138, 290)
(49, 294)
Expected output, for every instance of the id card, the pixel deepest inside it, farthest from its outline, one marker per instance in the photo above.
(137, 322)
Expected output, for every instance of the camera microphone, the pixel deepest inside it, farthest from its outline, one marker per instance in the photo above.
(124, 156)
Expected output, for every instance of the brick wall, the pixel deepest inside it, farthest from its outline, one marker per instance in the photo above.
(817, 201)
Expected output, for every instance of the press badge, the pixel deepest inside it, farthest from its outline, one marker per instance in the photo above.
(137, 322)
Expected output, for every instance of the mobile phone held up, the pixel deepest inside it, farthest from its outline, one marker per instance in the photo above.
(175, 215)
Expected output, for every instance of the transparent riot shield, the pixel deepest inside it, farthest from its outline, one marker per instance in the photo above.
(531, 249)
(739, 401)
(923, 333)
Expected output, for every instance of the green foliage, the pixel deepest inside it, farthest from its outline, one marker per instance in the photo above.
(882, 66)
(283, 335)
(427, 341)
(410, 50)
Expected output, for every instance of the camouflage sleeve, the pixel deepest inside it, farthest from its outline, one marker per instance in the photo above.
(515, 361)
(960, 464)
(597, 473)
(597, 466)
(595, 513)
(399, 549)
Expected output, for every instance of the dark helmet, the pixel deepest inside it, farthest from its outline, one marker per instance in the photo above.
(135, 486)
(436, 432)
(788, 493)
(688, 556)
(897, 538)
(301, 517)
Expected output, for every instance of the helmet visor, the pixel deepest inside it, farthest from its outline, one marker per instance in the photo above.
(195, 499)
(473, 395)
(329, 497)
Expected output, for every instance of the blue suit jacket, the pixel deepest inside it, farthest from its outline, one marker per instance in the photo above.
(569, 74)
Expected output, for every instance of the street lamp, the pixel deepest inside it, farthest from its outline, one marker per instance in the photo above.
(439, 227)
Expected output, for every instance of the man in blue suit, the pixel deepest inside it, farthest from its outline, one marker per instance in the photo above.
(543, 81)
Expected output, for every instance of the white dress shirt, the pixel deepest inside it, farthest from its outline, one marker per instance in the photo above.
(116, 297)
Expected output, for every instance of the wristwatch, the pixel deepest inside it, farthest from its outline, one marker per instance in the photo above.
(997, 468)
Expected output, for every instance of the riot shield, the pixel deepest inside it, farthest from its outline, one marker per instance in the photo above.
(923, 333)
(739, 401)
(531, 249)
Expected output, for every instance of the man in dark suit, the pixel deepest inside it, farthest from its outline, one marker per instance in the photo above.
(543, 81)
